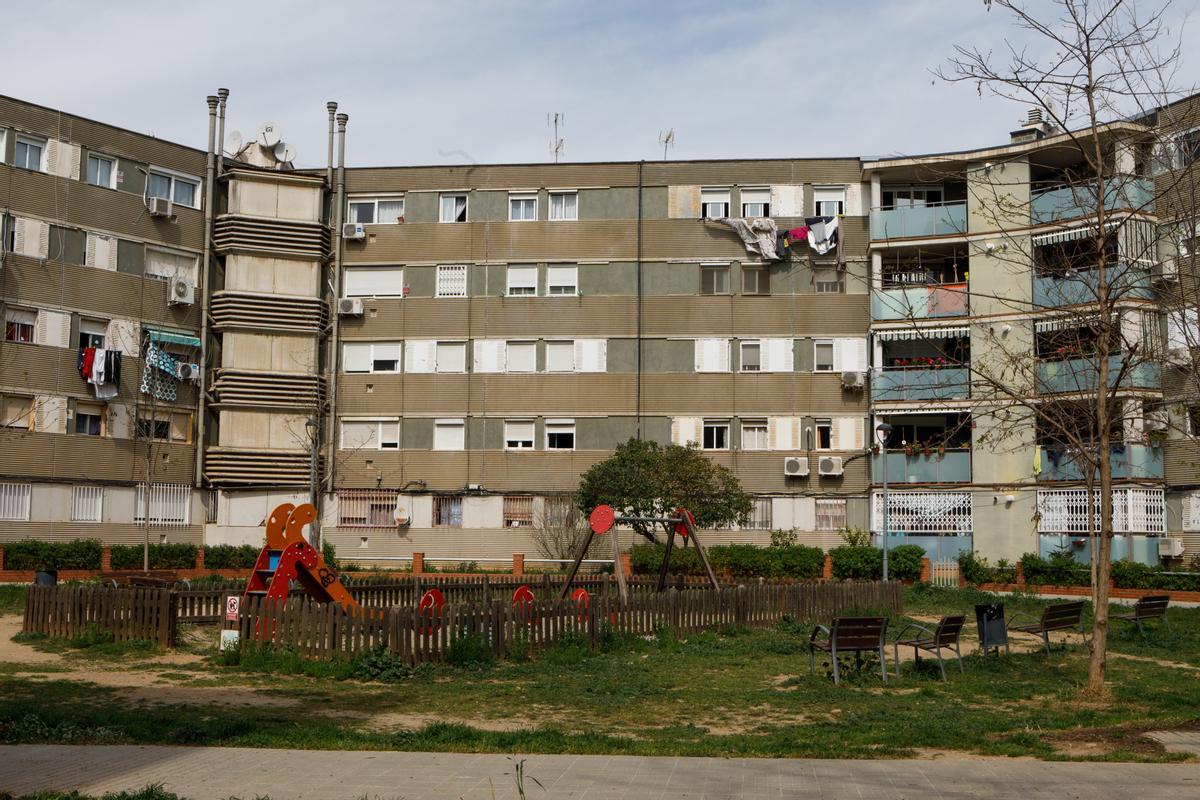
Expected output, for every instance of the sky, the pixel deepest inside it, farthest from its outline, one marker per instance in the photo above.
(456, 82)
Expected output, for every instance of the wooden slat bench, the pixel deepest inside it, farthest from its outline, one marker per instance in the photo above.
(1058, 617)
(946, 635)
(130, 577)
(849, 634)
(1151, 606)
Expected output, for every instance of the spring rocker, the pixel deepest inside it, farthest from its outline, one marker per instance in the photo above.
(288, 557)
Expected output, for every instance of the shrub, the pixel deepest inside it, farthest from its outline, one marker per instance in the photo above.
(380, 664)
(904, 562)
(797, 562)
(973, 569)
(34, 554)
(856, 537)
(230, 556)
(329, 554)
(469, 651)
(162, 556)
(1133, 575)
(857, 563)
(1061, 569)
(781, 538)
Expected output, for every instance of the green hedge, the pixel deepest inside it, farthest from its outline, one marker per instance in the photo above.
(230, 556)
(975, 569)
(35, 554)
(1132, 575)
(162, 556)
(866, 563)
(1061, 569)
(738, 560)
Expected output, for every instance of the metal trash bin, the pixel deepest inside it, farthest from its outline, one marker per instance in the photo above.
(45, 577)
(993, 631)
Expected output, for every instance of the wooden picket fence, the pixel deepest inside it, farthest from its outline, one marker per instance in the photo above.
(323, 631)
(129, 614)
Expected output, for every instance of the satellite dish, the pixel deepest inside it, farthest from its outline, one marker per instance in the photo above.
(268, 135)
(234, 142)
(285, 153)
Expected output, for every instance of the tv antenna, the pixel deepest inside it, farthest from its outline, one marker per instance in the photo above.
(667, 140)
(558, 145)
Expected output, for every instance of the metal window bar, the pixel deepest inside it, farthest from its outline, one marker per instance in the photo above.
(452, 281)
(760, 515)
(831, 514)
(367, 508)
(447, 511)
(87, 503)
(924, 512)
(14, 501)
(170, 504)
(1065, 511)
(518, 512)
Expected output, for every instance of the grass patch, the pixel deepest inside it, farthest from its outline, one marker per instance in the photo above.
(95, 642)
(12, 598)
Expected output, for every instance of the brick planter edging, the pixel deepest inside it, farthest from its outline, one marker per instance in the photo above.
(1086, 591)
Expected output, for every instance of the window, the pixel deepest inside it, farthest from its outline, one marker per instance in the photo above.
(522, 280)
(370, 434)
(756, 281)
(518, 512)
(751, 356)
(91, 333)
(712, 355)
(451, 356)
(376, 210)
(15, 411)
(371, 357)
(909, 196)
(760, 515)
(831, 514)
(824, 431)
(89, 419)
(449, 434)
(373, 282)
(827, 281)
(19, 324)
(823, 355)
(452, 281)
(170, 504)
(447, 511)
(101, 171)
(756, 202)
(522, 207)
(1193, 420)
(164, 427)
(182, 190)
(714, 279)
(521, 356)
(1187, 148)
(14, 501)
(87, 503)
(3, 144)
(564, 206)
(829, 201)
(518, 434)
(714, 203)
(560, 356)
(166, 265)
(560, 434)
(562, 280)
(30, 153)
(754, 434)
(453, 208)
(716, 435)
(366, 508)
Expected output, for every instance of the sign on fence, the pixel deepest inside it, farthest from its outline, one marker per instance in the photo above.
(232, 603)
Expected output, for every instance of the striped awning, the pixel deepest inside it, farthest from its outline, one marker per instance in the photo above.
(166, 337)
(1063, 323)
(900, 334)
(1069, 234)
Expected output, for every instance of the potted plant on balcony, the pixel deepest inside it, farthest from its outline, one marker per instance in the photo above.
(927, 449)
(941, 450)
(875, 448)
(1156, 437)
(909, 450)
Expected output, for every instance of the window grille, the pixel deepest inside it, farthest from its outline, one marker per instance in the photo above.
(1134, 511)
(760, 515)
(924, 512)
(831, 514)
(452, 281)
(87, 503)
(447, 511)
(14, 501)
(170, 504)
(518, 512)
(367, 508)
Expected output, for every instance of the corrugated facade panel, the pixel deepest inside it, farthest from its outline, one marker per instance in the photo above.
(60, 456)
(51, 370)
(109, 533)
(1181, 462)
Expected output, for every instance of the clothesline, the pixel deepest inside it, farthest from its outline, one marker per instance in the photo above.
(102, 369)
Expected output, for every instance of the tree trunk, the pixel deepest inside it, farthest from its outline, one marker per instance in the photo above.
(1102, 546)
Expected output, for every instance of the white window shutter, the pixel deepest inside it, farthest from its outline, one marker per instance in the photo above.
(420, 355)
(356, 357)
(591, 355)
(53, 328)
(1191, 511)
(101, 251)
(849, 355)
(845, 433)
(123, 335)
(712, 355)
(50, 414)
(777, 355)
(31, 237)
(683, 202)
(686, 429)
(782, 432)
(787, 201)
(489, 355)
(62, 159)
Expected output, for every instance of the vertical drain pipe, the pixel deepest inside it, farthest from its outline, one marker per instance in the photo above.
(224, 95)
(638, 376)
(339, 209)
(210, 168)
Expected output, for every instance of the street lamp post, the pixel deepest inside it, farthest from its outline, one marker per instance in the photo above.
(883, 432)
(313, 429)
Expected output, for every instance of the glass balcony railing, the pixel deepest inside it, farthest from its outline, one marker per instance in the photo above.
(920, 302)
(1128, 461)
(1083, 375)
(916, 383)
(951, 466)
(1083, 286)
(1070, 202)
(903, 222)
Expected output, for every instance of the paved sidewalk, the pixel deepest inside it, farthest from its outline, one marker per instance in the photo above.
(216, 773)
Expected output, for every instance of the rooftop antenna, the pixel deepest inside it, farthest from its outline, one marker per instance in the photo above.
(667, 140)
(558, 146)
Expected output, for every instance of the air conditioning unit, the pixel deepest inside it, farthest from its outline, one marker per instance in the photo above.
(159, 207)
(353, 230)
(181, 292)
(350, 307)
(854, 380)
(1170, 547)
(829, 465)
(189, 373)
(795, 467)
(1166, 271)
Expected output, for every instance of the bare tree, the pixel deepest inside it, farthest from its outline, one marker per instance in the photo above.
(559, 528)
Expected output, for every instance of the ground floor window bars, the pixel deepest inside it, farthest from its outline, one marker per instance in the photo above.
(924, 512)
(1134, 511)
(87, 503)
(170, 504)
(367, 508)
(447, 511)
(518, 512)
(14, 501)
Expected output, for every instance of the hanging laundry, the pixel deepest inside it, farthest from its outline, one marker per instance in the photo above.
(98, 363)
(759, 235)
(822, 233)
(112, 366)
(783, 245)
(88, 355)
(798, 234)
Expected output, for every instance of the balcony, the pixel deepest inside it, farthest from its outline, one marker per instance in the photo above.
(916, 383)
(953, 465)
(1053, 291)
(900, 222)
(1128, 461)
(1070, 202)
(1082, 375)
(920, 302)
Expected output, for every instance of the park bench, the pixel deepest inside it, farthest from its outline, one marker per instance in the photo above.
(139, 578)
(1151, 606)
(1058, 617)
(945, 635)
(849, 634)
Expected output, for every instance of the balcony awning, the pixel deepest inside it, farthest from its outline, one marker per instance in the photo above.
(1070, 234)
(1063, 323)
(166, 337)
(922, 333)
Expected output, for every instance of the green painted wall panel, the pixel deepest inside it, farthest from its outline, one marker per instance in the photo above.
(131, 257)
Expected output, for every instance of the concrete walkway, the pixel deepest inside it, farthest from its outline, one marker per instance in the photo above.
(216, 773)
